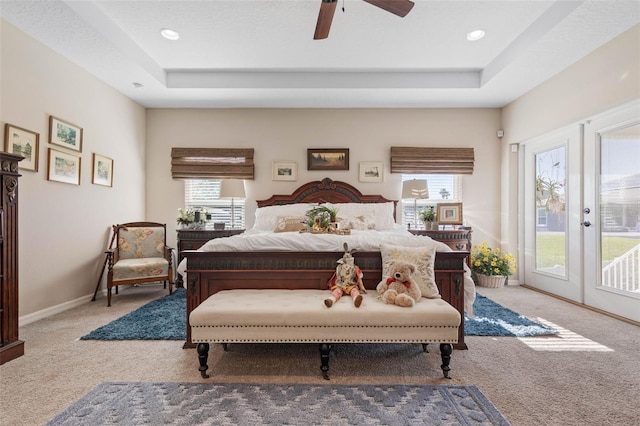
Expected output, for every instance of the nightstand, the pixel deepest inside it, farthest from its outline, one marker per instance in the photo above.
(458, 239)
(193, 239)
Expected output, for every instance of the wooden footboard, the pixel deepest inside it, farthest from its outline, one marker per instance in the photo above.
(210, 272)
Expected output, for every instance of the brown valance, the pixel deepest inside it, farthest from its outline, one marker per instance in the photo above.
(426, 160)
(212, 163)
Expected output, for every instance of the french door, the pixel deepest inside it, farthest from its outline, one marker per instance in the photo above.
(581, 206)
(612, 195)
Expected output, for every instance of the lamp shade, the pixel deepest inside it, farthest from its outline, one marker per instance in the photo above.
(232, 188)
(415, 188)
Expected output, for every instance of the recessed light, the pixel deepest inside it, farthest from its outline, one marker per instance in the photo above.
(170, 34)
(475, 35)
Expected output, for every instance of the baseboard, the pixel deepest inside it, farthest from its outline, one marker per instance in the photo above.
(582, 305)
(53, 310)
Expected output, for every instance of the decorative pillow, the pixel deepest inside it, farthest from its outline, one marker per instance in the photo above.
(266, 217)
(358, 223)
(381, 212)
(289, 223)
(422, 257)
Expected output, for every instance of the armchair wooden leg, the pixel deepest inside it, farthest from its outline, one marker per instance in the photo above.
(109, 296)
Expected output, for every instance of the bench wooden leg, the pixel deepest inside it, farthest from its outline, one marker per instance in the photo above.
(325, 349)
(445, 351)
(203, 356)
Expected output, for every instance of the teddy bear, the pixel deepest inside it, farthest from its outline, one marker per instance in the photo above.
(346, 280)
(398, 287)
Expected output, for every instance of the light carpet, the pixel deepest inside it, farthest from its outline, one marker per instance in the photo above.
(140, 403)
(165, 319)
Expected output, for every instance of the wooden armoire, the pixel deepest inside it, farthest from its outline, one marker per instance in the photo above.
(10, 346)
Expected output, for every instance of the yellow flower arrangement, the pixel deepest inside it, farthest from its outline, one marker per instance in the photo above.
(488, 261)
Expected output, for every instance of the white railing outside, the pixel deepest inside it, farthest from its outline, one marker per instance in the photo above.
(623, 273)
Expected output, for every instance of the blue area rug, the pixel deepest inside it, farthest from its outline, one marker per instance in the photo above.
(142, 403)
(161, 319)
(165, 319)
(493, 319)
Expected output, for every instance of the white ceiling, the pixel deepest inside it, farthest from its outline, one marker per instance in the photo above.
(261, 53)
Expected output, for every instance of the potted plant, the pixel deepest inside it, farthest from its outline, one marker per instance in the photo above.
(428, 216)
(491, 266)
(326, 215)
(190, 218)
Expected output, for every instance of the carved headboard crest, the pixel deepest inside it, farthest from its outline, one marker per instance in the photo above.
(325, 191)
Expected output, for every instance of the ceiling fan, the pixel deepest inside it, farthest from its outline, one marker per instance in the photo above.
(328, 8)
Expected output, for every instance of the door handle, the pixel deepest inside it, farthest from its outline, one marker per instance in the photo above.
(586, 223)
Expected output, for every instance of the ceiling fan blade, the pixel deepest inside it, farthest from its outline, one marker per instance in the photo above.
(327, 10)
(397, 7)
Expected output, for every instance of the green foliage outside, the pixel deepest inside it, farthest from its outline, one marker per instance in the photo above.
(550, 248)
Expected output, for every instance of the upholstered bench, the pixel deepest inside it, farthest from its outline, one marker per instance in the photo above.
(300, 316)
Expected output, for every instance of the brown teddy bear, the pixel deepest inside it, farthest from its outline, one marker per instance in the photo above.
(398, 288)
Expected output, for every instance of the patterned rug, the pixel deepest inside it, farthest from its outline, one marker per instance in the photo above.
(165, 319)
(493, 319)
(141, 403)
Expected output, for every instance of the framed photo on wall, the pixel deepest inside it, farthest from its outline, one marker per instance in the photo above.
(285, 170)
(102, 170)
(63, 167)
(371, 171)
(65, 134)
(449, 213)
(22, 142)
(328, 159)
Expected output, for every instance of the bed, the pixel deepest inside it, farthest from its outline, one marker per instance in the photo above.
(247, 262)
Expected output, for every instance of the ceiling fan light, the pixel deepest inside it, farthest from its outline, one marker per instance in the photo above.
(170, 34)
(475, 35)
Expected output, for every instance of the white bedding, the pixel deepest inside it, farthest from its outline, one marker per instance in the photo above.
(370, 240)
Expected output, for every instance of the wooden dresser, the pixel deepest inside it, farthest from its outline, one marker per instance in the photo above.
(457, 239)
(10, 346)
(193, 239)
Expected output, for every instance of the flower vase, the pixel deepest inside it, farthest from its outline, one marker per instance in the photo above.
(492, 281)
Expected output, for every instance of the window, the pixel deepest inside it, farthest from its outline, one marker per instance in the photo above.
(442, 189)
(204, 194)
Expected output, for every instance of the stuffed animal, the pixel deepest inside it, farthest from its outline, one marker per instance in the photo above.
(398, 288)
(346, 280)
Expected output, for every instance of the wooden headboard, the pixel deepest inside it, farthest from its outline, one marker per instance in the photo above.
(325, 191)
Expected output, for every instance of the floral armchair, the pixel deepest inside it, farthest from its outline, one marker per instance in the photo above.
(141, 255)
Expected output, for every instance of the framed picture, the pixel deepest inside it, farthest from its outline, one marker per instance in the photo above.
(65, 134)
(371, 171)
(102, 170)
(285, 170)
(328, 159)
(22, 142)
(449, 213)
(64, 167)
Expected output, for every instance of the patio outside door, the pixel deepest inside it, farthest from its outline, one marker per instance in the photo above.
(612, 194)
(581, 236)
(552, 232)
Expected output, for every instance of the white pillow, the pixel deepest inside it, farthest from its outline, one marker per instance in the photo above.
(382, 213)
(266, 217)
(422, 257)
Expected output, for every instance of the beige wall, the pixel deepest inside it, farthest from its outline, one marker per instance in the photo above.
(285, 134)
(607, 78)
(64, 228)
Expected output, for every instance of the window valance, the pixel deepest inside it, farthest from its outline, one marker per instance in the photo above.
(432, 160)
(212, 163)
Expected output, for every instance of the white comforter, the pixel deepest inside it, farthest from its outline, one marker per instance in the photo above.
(370, 240)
